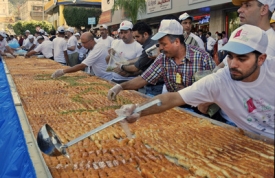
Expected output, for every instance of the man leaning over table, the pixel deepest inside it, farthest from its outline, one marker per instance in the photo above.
(95, 59)
(244, 90)
(176, 64)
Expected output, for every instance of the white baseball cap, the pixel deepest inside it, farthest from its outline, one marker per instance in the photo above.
(246, 39)
(3, 35)
(30, 37)
(39, 37)
(103, 26)
(61, 29)
(27, 31)
(270, 3)
(125, 25)
(272, 20)
(171, 27)
(185, 16)
(70, 29)
(76, 34)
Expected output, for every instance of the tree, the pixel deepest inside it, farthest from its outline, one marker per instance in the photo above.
(131, 8)
(78, 16)
(21, 26)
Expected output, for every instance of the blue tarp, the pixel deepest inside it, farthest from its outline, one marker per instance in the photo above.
(15, 161)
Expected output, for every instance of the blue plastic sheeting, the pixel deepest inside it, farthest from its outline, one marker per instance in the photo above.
(15, 161)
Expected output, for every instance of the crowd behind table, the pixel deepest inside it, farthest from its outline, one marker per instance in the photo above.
(129, 61)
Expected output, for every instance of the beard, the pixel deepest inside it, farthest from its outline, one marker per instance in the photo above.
(243, 75)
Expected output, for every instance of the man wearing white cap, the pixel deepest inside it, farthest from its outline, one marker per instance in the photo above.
(72, 47)
(81, 50)
(44, 46)
(244, 89)
(44, 34)
(4, 45)
(25, 41)
(60, 47)
(29, 43)
(126, 48)
(176, 64)
(186, 22)
(272, 21)
(105, 38)
(95, 59)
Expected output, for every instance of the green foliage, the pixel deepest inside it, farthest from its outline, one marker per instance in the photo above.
(21, 26)
(78, 16)
(131, 8)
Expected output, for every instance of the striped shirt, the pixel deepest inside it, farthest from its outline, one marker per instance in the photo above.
(196, 60)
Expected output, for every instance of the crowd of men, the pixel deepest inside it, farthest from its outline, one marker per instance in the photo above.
(242, 85)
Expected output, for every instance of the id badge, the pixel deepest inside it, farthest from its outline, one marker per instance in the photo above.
(178, 78)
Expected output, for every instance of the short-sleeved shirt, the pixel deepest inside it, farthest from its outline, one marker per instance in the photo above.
(144, 61)
(3, 45)
(189, 40)
(72, 42)
(126, 51)
(250, 105)
(96, 60)
(59, 46)
(196, 60)
(46, 47)
(107, 42)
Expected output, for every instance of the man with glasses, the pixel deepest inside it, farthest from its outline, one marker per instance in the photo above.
(95, 59)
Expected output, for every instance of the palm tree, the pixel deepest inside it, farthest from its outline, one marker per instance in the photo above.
(131, 8)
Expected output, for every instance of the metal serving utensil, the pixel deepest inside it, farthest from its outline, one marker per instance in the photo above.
(50, 144)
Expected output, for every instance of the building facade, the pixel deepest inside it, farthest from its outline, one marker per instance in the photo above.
(33, 10)
(5, 17)
(54, 8)
(209, 15)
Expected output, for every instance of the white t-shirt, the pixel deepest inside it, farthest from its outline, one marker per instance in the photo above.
(25, 41)
(96, 60)
(107, 42)
(250, 105)
(210, 43)
(46, 47)
(59, 46)
(28, 44)
(199, 40)
(220, 44)
(271, 42)
(126, 51)
(3, 45)
(72, 42)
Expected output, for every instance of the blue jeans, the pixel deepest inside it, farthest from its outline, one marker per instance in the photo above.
(153, 90)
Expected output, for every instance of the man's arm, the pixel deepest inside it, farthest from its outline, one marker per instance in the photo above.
(32, 47)
(134, 84)
(75, 68)
(30, 53)
(9, 50)
(72, 48)
(168, 101)
(66, 57)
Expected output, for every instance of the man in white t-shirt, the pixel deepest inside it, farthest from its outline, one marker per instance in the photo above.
(244, 90)
(4, 47)
(186, 22)
(44, 46)
(72, 47)
(105, 38)
(60, 47)
(95, 59)
(25, 41)
(210, 43)
(81, 50)
(126, 48)
(29, 43)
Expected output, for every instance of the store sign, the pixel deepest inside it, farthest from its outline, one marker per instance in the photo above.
(196, 1)
(91, 21)
(206, 19)
(106, 5)
(157, 5)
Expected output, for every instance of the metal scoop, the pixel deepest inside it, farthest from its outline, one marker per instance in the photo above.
(50, 144)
